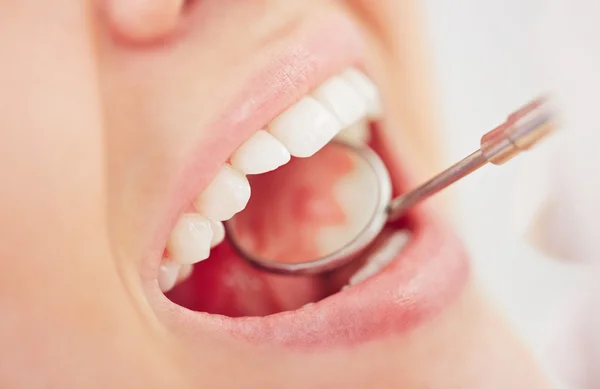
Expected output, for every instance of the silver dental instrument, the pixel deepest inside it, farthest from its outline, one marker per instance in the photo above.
(523, 129)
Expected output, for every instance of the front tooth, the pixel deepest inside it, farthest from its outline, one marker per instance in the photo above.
(339, 97)
(167, 275)
(218, 230)
(260, 154)
(365, 88)
(305, 127)
(226, 195)
(356, 134)
(190, 240)
(184, 273)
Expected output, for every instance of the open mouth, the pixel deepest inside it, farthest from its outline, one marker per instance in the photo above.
(295, 195)
(273, 184)
(301, 211)
(287, 181)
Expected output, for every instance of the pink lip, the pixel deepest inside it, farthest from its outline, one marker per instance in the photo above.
(320, 49)
(424, 279)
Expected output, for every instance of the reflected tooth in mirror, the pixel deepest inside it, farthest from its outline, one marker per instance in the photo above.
(260, 154)
(342, 100)
(305, 127)
(227, 194)
(167, 275)
(366, 89)
(190, 239)
(218, 230)
(357, 134)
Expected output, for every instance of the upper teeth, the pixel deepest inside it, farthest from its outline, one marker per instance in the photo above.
(167, 275)
(260, 154)
(343, 101)
(226, 195)
(191, 239)
(305, 127)
(340, 98)
(363, 85)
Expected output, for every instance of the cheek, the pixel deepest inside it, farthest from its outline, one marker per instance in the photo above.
(153, 117)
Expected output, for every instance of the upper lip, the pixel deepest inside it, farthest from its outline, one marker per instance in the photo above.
(407, 292)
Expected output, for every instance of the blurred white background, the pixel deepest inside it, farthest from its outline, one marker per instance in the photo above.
(484, 67)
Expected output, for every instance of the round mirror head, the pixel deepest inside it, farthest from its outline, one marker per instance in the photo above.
(313, 214)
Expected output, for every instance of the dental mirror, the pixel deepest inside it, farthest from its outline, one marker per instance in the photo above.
(324, 208)
(319, 213)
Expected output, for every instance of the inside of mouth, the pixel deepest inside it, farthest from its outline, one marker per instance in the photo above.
(305, 209)
(309, 208)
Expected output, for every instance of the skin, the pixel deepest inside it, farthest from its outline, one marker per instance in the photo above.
(91, 136)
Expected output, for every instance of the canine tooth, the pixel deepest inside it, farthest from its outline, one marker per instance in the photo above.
(260, 154)
(190, 240)
(184, 273)
(356, 134)
(339, 97)
(226, 195)
(305, 127)
(218, 231)
(365, 88)
(167, 275)
(381, 257)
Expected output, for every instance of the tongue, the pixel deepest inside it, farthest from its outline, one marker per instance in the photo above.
(299, 212)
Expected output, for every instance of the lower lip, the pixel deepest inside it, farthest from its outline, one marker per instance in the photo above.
(424, 279)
